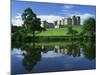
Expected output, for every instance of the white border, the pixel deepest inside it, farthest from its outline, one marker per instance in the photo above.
(83, 2)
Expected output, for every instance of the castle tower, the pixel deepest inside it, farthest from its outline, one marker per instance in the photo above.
(74, 20)
(60, 22)
(69, 21)
(78, 20)
(65, 21)
(55, 22)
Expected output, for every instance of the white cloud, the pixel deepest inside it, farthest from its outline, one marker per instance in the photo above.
(68, 6)
(17, 20)
(50, 18)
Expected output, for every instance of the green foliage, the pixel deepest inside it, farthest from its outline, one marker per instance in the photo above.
(19, 35)
(30, 20)
(89, 26)
(15, 28)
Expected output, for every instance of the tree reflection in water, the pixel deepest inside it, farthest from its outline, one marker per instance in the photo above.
(31, 57)
(89, 50)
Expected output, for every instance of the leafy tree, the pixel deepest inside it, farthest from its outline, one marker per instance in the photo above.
(89, 26)
(30, 21)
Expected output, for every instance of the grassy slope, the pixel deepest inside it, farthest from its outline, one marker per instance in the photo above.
(58, 31)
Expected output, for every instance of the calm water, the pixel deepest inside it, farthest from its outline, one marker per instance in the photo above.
(49, 57)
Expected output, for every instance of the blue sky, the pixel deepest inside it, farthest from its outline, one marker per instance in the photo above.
(51, 11)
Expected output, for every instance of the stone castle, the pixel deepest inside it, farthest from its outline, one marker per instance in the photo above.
(75, 20)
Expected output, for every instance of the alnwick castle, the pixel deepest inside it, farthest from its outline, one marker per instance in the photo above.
(75, 20)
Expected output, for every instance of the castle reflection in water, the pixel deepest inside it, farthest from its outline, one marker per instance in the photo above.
(63, 50)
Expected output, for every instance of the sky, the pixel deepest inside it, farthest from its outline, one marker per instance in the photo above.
(50, 11)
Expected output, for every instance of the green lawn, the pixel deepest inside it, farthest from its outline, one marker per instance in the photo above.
(53, 32)
(57, 31)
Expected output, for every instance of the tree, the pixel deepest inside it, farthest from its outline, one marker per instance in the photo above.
(30, 21)
(89, 27)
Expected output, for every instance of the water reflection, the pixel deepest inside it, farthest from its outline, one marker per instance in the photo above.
(33, 55)
(89, 51)
(71, 50)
